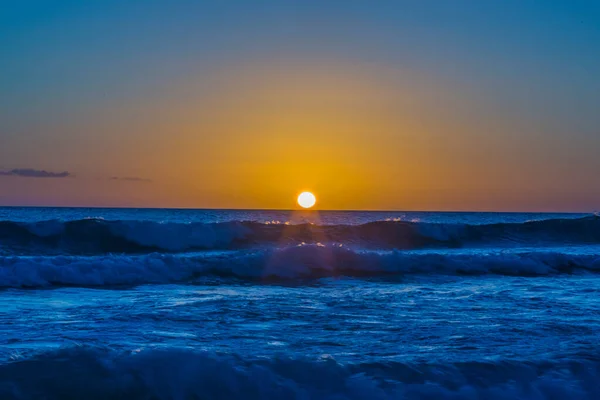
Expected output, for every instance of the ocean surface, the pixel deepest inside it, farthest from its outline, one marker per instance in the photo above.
(221, 304)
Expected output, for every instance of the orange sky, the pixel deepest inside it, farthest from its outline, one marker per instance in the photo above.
(380, 118)
(254, 135)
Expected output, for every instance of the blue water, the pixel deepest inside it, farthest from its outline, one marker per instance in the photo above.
(213, 304)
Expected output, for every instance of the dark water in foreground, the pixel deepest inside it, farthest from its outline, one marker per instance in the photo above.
(205, 304)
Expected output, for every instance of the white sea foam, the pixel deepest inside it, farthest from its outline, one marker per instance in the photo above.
(303, 261)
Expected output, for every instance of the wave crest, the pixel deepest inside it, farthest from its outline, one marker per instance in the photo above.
(94, 236)
(293, 262)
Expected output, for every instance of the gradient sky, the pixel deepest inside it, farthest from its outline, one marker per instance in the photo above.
(405, 105)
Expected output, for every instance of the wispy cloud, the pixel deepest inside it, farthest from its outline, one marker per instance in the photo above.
(130, 179)
(35, 173)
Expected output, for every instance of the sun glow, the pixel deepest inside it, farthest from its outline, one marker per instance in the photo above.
(306, 199)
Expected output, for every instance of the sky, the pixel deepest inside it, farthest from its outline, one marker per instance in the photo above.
(463, 105)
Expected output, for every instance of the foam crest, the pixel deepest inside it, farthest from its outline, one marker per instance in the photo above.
(293, 262)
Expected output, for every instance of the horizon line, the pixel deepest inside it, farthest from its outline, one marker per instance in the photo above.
(303, 210)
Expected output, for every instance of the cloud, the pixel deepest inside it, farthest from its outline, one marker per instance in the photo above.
(35, 173)
(129, 179)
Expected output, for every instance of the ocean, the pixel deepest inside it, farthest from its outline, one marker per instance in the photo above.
(231, 304)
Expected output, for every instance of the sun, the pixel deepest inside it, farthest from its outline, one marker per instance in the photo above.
(306, 199)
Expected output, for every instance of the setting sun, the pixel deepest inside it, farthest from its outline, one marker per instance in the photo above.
(306, 199)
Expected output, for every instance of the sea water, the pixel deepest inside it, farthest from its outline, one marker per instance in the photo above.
(216, 304)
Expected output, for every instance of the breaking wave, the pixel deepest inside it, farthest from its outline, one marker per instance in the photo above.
(293, 262)
(96, 236)
(98, 373)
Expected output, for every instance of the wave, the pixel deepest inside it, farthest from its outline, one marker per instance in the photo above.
(99, 236)
(94, 236)
(99, 373)
(293, 262)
